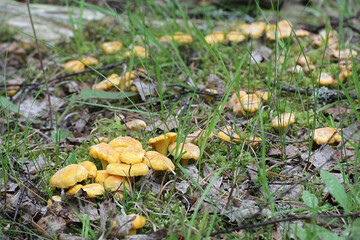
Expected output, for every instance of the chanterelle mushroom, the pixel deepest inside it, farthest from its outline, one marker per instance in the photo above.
(187, 150)
(254, 30)
(227, 135)
(137, 51)
(132, 155)
(162, 142)
(157, 161)
(112, 47)
(250, 103)
(93, 190)
(92, 170)
(105, 153)
(215, 37)
(327, 135)
(283, 30)
(125, 142)
(125, 170)
(235, 37)
(283, 120)
(69, 176)
(325, 79)
(138, 222)
(74, 66)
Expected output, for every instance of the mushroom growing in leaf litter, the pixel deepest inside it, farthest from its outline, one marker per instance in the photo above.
(90, 167)
(283, 120)
(325, 79)
(131, 155)
(125, 170)
(112, 47)
(327, 135)
(125, 142)
(158, 162)
(93, 190)
(68, 176)
(215, 37)
(74, 66)
(162, 142)
(106, 153)
(187, 152)
(138, 51)
(74, 189)
(227, 135)
(235, 37)
(138, 222)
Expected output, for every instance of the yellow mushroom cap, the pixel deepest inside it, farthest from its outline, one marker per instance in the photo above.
(90, 167)
(283, 120)
(283, 30)
(325, 79)
(132, 155)
(157, 161)
(323, 135)
(344, 54)
(90, 60)
(253, 141)
(68, 176)
(136, 124)
(235, 36)
(138, 222)
(235, 100)
(215, 37)
(108, 84)
(74, 66)
(125, 142)
(105, 152)
(226, 136)
(116, 182)
(112, 47)
(250, 103)
(125, 170)
(264, 95)
(182, 38)
(254, 30)
(187, 150)
(56, 198)
(344, 75)
(93, 190)
(301, 33)
(138, 51)
(162, 142)
(209, 98)
(101, 176)
(74, 189)
(304, 60)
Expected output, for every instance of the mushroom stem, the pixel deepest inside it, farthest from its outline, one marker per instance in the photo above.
(184, 162)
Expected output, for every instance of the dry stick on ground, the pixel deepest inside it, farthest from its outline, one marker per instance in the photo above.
(41, 63)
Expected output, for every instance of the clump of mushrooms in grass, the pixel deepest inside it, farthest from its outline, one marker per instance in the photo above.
(246, 104)
(69, 176)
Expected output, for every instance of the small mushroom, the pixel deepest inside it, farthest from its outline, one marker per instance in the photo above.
(90, 167)
(283, 120)
(114, 183)
(250, 103)
(263, 94)
(138, 51)
(327, 135)
(187, 151)
(253, 141)
(254, 30)
(325, 79)
(283, 30)
(227, 135)
(234, 102)
(68, 176)
(93, 190)
(74, 189)
(90, 61)
(304, 60)
(74, 66)
(195, 136)
(125, 170)
(112, 47)
(125, 142)
(301, 33)
(344, 75)
(136, 125)
(11, 91)
(182, 38)
(235, 37)
(162, 142)
(108, 84)
(158, 162)
(138, 222)
(132, 155)
(105, 153)
(344, 54)
(215, 37)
